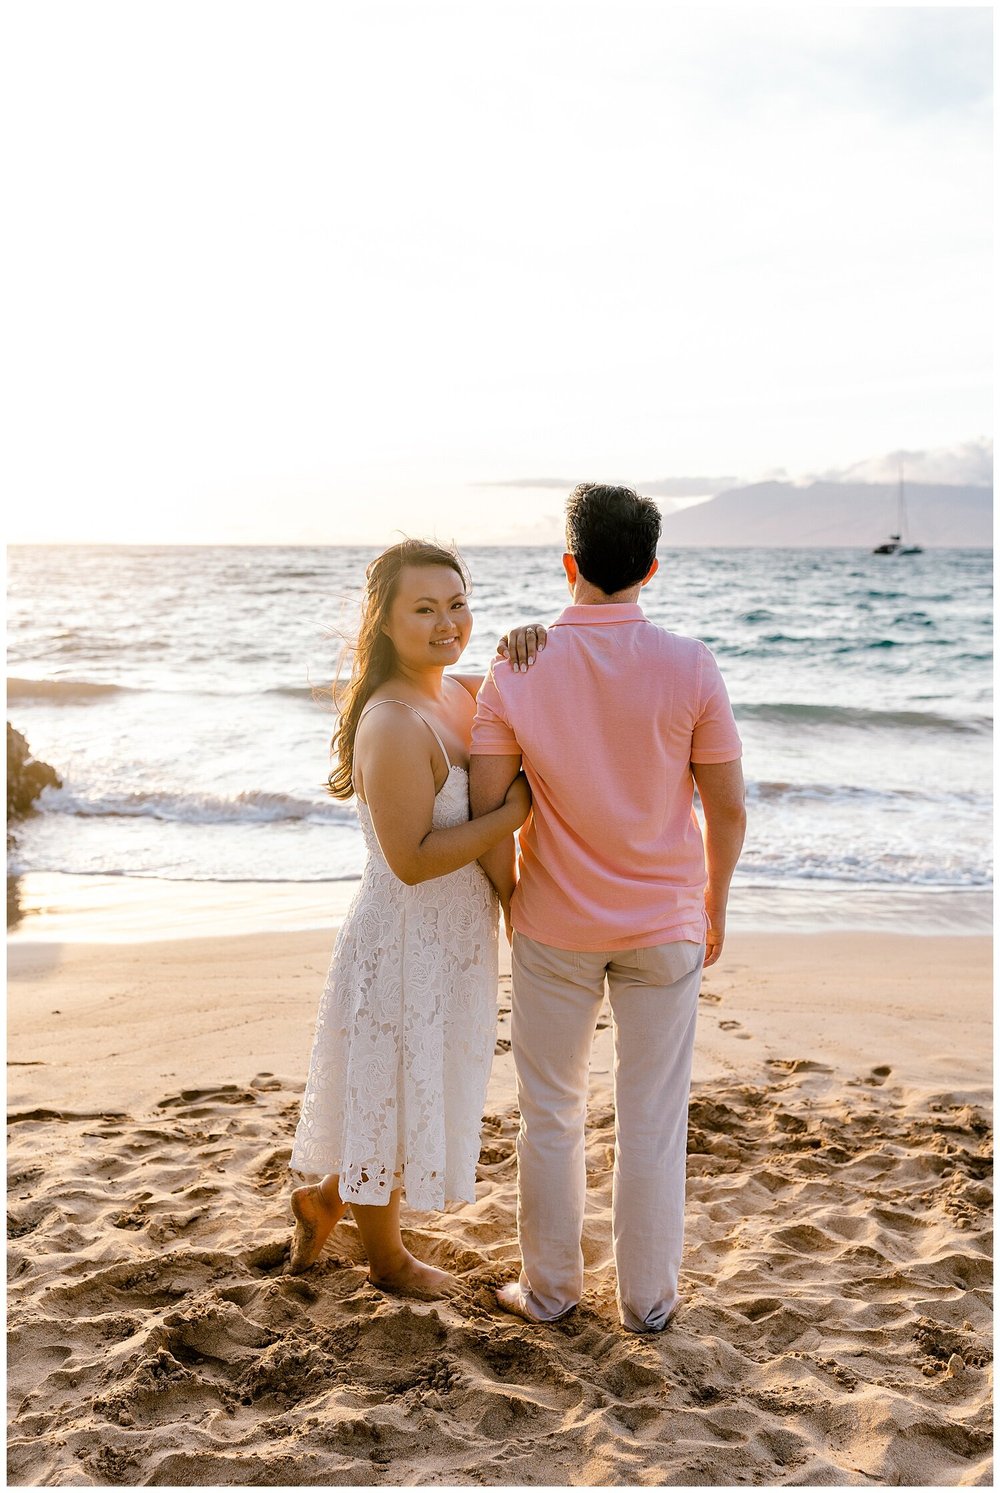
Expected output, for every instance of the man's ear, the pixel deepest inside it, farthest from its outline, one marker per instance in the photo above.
(570, 567)
(651, 572)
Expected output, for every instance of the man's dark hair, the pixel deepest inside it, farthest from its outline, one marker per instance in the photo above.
(611, 533)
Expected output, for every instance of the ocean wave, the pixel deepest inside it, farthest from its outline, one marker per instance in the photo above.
(775, 791)
(918, 647)
(255, 806)
(892, 872)
(321, 693)
(19, 690)
(126, 874)
(69, 691)
(786, 637)
(789, 712)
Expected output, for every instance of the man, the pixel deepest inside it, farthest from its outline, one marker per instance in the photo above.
(614, 724)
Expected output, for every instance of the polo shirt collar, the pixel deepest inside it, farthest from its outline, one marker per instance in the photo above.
(600, 614)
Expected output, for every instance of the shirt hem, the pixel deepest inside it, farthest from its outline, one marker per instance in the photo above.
(689, 932)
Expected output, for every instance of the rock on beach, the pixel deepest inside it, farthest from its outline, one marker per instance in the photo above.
(26, 777)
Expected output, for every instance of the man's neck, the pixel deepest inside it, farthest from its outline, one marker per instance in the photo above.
(587, 595)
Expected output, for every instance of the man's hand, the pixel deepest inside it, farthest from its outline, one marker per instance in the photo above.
(714, 939)
(521, 646)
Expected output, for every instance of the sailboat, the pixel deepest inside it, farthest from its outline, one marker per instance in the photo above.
(897, 543)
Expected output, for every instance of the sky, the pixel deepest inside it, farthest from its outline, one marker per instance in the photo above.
(318, 273)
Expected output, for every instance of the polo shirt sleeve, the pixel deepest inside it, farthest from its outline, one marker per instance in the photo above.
(492, 735)
(715, 737)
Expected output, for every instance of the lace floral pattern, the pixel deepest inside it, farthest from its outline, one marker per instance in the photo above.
(405, 1031)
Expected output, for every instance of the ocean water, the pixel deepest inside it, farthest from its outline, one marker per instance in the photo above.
(184, 696)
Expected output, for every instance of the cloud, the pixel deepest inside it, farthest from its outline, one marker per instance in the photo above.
(926, 61)
(687, 487)
(968, 464)
(659, 487)
(566, 484)
(898, 63)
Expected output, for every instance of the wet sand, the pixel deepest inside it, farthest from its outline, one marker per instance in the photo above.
(834, 1327)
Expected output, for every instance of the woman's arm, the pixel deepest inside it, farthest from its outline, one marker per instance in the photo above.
(398, 781)
(490, 779)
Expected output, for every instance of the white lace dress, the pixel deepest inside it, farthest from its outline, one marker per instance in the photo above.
(406, 1030)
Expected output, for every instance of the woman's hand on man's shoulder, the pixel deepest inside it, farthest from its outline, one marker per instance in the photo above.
(522, 645)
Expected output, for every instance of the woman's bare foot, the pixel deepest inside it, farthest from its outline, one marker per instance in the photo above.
(413, 1278)
(314, 1220)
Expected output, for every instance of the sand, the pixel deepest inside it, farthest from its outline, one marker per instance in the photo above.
(834, 1327)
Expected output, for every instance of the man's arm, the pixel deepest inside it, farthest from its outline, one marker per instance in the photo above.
(489, 779)
(722, 791)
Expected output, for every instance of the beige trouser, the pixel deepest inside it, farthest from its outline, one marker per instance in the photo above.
(557, 996)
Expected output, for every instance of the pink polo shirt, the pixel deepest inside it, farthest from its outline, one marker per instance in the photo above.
(608, 722)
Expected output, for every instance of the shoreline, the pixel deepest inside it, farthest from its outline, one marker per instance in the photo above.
(134, 1018)
(59, 907)
(120, 1023)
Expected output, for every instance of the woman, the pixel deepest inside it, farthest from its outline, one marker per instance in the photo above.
(406, 1026)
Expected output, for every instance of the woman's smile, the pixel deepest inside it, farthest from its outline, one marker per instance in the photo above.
(428, 613)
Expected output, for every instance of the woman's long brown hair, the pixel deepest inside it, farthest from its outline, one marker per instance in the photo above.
(374, 655)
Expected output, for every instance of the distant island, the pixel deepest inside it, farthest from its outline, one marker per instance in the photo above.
(856, 515)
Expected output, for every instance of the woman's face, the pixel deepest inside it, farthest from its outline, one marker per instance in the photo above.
(429, 621)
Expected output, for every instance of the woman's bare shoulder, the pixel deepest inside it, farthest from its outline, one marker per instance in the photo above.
(394, 719)
(392, 738)
(472, 683)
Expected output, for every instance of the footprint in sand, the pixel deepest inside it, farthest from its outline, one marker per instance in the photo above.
(797, 1065)
(735, 1028)
(873, 1079)
(265, 1082)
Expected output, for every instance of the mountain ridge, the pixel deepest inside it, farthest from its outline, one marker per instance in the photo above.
(835, 514)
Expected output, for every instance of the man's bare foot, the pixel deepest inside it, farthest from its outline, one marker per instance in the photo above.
(413, 1278)
(314, 1220)
(514, 1298)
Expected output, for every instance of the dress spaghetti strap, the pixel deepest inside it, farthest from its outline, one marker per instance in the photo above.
(416, 712)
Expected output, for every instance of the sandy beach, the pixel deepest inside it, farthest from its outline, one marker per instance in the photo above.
(835, 1322)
